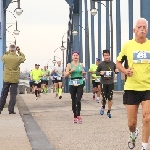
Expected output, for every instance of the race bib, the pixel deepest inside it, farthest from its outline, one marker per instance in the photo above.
(97, 79)
(37, 82)
(75, 82)
(58, 78)
(108, 74)
(141, 57)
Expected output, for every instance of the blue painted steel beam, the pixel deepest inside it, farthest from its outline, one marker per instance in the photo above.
(118, 40)
(92, 34)
(145, 12)
(130, 5)
(6, 3)
(99, 31)
(80, 32)
(76, 28)
(107, 26)
(70, 2)
(87, 52)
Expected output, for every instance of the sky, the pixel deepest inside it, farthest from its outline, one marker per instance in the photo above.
(44, 22)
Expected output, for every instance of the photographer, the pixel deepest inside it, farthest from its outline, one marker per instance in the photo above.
(12, 61)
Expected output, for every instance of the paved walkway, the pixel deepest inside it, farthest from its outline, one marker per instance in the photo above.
(12, 132)
(49, 125)
(54, 116)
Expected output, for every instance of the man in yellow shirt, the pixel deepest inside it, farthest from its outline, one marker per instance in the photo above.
(36, 75)
(136, 54)
(95, 80)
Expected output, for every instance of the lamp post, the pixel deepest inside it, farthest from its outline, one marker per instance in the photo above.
(94, 12)
(87, 58)
(16, 31)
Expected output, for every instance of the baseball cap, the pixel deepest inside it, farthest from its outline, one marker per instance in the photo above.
(75, 52)
(98, 59)
(37, 65)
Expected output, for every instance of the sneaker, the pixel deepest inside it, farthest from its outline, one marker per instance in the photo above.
(75, 120)
(131, 142)
(93, 96)
(36, 98)
(97, 100)
(102, 111)
(108, 115)
(79, 119)
(143, 148)
(60, 97)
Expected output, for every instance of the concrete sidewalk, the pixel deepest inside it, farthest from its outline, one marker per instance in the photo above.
(12, 132)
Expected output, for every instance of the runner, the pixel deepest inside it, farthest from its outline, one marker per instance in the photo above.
(106, 69)
(136, 54)
(95, 80)
(75, 71)
(58, 70)
(45, 79)
(36, 75)
(31, 84)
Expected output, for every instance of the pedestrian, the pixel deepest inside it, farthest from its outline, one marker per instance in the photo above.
(75, 71)
(12, 61)
(106, 70)
(135, 54)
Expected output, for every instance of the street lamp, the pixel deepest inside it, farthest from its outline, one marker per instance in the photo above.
(93, 11)
(16, 31)
(111, 24)
(18, 10)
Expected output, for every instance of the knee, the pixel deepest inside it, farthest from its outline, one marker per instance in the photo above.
(146, 117)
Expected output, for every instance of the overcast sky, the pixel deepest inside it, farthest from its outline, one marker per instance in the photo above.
(44, 22)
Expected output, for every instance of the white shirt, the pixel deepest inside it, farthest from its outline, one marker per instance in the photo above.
(58, 70)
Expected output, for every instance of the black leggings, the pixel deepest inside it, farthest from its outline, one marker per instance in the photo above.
(76, 95)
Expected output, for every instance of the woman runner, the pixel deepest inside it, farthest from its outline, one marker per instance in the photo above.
(75, 71)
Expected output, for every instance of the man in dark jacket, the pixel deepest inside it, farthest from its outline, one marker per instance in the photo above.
(12, 62)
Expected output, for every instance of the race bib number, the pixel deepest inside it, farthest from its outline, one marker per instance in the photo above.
(97, 79)
(58, 78)
(141, 57)
(75, 82)
(108, 74)
(37, 82)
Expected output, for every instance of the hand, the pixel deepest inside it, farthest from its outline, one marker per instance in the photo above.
(102, 72)
(73, 69)
(129, 72)
(18, 49)
(116, 70)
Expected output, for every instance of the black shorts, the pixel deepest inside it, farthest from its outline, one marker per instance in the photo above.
(44, 82)
(83, 83)
(95, 84)
(38, 85)
(56, 81)
(31, 84)
(107, 91)
(131, 97)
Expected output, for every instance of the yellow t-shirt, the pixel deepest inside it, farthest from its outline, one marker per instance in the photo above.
(36, 73)
(93, 67)
(138, 57)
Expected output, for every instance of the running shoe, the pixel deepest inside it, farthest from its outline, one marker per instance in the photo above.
(102, 111)
(75, 120)
(79, 119)
(132, 138)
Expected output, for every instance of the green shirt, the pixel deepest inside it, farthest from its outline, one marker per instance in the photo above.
(93, 67)
(35, 74)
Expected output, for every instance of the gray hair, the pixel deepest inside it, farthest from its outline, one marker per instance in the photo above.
(141, 19)
(12, 47)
